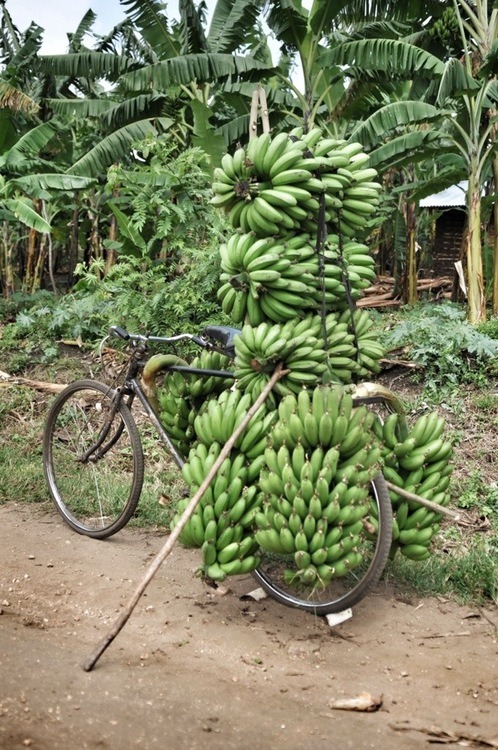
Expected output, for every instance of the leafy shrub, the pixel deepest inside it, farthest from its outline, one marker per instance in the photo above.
(444, 343)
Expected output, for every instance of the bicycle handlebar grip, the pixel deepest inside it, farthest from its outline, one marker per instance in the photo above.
(118, 331)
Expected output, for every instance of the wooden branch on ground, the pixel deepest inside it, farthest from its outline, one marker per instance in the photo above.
(187, 513)
(7, 381)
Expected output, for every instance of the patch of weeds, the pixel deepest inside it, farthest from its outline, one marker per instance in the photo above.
(470, 578)
(21, 473)
(449, 349)
(479, 495)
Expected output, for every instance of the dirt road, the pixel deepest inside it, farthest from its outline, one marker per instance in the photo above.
(200, 668)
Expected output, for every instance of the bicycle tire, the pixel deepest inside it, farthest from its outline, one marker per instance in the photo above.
(95, 497)
(341, 593)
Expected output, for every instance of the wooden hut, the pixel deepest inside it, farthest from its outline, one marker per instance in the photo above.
(449, 207)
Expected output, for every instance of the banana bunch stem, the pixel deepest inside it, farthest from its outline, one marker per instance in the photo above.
(156, 364)
(166, 549)
(366, 392)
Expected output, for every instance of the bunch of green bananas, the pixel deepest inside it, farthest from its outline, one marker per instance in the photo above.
(295, 344)
(221, 524)
(272, 186)
(264, 278)
(176, 411)
(419, 462)
(180, 397)
(322, 456)
(275, 278)
(369, 350)
(219, 417)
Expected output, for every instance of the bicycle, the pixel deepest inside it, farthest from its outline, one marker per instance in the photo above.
(93, 463)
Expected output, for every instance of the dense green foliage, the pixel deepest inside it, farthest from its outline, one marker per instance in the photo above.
(447, 347)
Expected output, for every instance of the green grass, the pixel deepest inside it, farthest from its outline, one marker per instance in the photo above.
(471, 577)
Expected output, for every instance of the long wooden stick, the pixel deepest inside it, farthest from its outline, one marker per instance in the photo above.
(423, 501)
(187, 513)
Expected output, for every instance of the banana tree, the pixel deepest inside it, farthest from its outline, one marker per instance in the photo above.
(25, 186)
(174, 83)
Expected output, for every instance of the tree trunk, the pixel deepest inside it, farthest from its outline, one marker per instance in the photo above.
(495, 240)
(410, 292)
(111, 256)
(73, 246)
(6, 272)
(475, 286)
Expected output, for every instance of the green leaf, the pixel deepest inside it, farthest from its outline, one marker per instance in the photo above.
(200, 68)
(115, 147)
(150, 18)
(24, 213)
(289, 22)
(85, 64)
(28, 145)
(389, 55)
(204, 134)
(35, 183)
(405, 148)
(454, 81)
(392, 117)
(230, 22)
(126, 227)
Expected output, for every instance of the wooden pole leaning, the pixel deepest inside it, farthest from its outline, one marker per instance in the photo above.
(163, 553)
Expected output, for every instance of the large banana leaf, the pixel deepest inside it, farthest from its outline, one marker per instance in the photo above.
(201, 68)
(85, 64)
(115, 147)
(406, 149)
(392, 117)
(23, 212)
(36, 184)
(28, 48)
(81, 108)
(390, 55)
(149, 17)
(84, 27)
(193, 34)
(230, 22)
(454, 81)
(289, 22)
(28, 145)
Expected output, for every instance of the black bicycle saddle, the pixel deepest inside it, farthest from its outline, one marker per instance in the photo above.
(223, 335)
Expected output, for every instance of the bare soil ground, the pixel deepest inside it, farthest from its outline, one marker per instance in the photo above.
(197, 667)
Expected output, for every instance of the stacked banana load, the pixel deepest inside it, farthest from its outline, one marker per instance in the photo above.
(320, 460)
(222, 524)
(298, 482)
(272, 267)
(180, 398)
(419, 462)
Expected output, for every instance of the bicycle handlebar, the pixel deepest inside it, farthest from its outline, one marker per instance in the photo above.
(123, 334)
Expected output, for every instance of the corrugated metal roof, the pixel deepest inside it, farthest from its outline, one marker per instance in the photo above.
(452, 196)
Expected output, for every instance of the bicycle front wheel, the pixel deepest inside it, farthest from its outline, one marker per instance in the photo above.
(92, 459)
(342, 592)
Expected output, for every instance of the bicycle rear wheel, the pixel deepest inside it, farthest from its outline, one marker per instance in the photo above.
(343, 592)
(92, 459)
